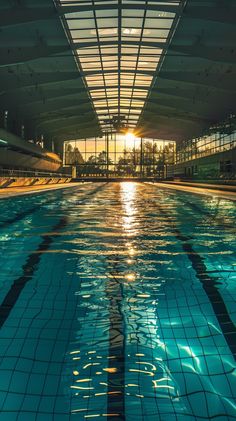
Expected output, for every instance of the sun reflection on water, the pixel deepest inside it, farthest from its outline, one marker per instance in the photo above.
(129, 224)
(128, 200)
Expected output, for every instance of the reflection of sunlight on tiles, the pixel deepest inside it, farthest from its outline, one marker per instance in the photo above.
(135, 370)
(191, 353)
(110, 369)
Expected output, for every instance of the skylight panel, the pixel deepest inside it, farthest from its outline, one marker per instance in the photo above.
(121, 58)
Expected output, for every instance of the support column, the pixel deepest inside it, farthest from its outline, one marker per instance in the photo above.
(74, 171)
(59, 148)
(107, 154)
(141, 157)
(164, 162)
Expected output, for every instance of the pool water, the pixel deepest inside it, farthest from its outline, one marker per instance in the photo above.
(117, 302)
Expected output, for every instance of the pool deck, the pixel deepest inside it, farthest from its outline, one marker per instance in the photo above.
(19, 191)
(219, 190)
(222, 191)
(214, 186)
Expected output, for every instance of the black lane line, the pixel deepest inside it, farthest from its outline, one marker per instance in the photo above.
(31, 265)
(210, 286)
(205, 212)
(29, 269)
(22, 215)
(218, 219)
(116, 362)
(32, 210)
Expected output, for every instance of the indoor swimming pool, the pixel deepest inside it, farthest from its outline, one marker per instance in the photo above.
(117, 302)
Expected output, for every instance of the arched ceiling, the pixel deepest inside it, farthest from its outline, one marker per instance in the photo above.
(68, 68)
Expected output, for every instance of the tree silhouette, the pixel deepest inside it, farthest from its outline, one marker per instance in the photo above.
(149, 160)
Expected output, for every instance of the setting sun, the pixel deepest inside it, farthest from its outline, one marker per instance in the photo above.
(130, 138)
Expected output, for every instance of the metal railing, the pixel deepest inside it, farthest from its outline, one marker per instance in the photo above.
(5, 172)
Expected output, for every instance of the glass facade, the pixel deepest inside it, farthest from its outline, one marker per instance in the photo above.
(120, 155)
(219, 139)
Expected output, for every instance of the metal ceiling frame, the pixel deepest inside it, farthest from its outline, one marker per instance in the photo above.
(144, 17)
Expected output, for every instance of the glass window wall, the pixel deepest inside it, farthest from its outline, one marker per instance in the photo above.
(219, 139)
(120, 155)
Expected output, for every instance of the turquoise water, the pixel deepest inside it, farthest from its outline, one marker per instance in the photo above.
(117, 302)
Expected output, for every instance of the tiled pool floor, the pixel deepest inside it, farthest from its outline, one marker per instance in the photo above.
(117, 302)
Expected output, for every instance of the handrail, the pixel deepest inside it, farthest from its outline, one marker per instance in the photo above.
(5, 172)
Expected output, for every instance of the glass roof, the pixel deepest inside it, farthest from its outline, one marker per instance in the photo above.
(118, 44)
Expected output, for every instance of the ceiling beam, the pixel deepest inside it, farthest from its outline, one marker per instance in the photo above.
(43, 97)
(169, 121)
(171, 8)
(174, 114)
(173, 109)
(154, 44)
(60, 122)
(193, 94)
(73, 135)
(105, 72)
(61, 113)
(53, 105)
(220, 53)
(40, 96)
(225, 81)
(16, 80)
(12, 56)
(71, 125)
